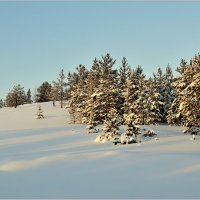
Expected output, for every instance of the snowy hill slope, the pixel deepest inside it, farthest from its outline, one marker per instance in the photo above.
(49, 158)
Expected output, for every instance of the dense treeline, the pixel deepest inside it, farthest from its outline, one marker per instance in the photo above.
(108, 95)
(96, 93)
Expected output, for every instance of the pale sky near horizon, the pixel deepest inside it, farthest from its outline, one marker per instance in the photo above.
(38, 39)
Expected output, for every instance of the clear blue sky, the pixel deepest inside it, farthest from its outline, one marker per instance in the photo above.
(38, 39)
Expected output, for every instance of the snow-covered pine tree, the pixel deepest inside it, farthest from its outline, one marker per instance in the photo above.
(72, 81)
(124, 73)
(134, 96)
(111, 126)
(106, 93)
(91, 116)
(78, 93)
(132, 130)
(173, 115)
(39, 114)
(163, 85)
(159, 82)
(169, 92)
(188, 89)
(151, 103)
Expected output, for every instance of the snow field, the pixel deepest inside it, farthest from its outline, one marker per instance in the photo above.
(49, 158)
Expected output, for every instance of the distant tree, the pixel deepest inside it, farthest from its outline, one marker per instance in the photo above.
(43, 92)
(54, 94)
(28, 96)
(59, 87)
(16, 96)
(1, 103)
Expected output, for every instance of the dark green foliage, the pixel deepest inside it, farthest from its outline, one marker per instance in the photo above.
(43, 92)
(1, 103)
(28, 96)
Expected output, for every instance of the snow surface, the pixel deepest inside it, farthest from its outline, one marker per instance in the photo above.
(50, 158)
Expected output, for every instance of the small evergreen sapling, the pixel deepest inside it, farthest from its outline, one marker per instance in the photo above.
(39, 114)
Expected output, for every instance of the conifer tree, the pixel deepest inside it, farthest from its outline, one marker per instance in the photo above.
(111, 125)
(43, 92)
(188, 87)
(132, 130)
(28, 96)
(39, 114)
(163, 85)
(123, 76)
(79, 93)
(106, 95)
(16, 96)
(54, 94)
(61, 86)
(134, 96)
(1, 103)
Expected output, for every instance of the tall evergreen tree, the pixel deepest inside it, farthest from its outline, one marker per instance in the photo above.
(163, 86)
(187, 86)
(61, 84)
(28, 96)
(106, 94)
(123, 76)
(134, 96)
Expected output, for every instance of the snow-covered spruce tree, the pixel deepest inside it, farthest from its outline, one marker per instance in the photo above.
(72, 80)
(173, 115)
(78, 93)
(152, 103)
(132, 130)
(188, 88)
(142, 99)
(169, 92)
(159, 82)
(91, 109)
(111, 125)
(16, 97)
(39, 114)
(163, 85)
(134, 96)
(124, 73)
(106, 94)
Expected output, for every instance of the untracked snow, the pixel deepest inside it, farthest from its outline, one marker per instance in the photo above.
(50, 158)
